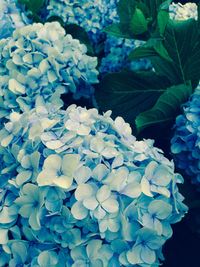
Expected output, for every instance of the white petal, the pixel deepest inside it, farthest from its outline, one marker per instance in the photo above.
(63, 181)
(79, 211)
(132, 190)
(111, 205)
(145, 185)
(103, 193)
(70, 164)
(53, 162)
(84, 191)
(45, 178)
(90, 203)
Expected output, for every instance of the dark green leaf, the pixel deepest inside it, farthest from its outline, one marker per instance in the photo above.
(129, 93)
(154, 6)
(79, 33)
(152, 48)
(183, 46)
(142, 52)
(115, 30)
(166, 107)
(33, 5)
(138, 22)
(56, 18)
(161, 50)
(126, 9)
(162, 18)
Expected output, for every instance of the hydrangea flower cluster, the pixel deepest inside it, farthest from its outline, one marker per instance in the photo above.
(117, 51)
(11, 17)
(183, 12)
(77, 189)
(41, 61)
(92, 16)
(185, 144)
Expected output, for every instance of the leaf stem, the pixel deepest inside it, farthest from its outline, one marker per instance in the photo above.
(179, 59)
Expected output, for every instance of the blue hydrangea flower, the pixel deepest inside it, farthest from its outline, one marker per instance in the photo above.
(99, 202)
(185, 143)
(42, 62)
(155, 214)
(143, 252)
(93, 17)
(19, 250)
(11, 18)
(30, 203)
(117, 51)
(58, 171)
(94, 254)
(4, 257)
(84, 195)
(182, 12)
(47, 258)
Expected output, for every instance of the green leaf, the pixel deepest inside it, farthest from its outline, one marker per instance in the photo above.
(154, 6)
(56, 18)
(161, 50)
(182, 43)
(128, 93)
(115, 30)
(152, 48)
(162, 18)
(126, 9)
(144, 8)
(142, 52)
(79, 33)
(158, 15)
(33, 5)
(166, 107)
(138, 22)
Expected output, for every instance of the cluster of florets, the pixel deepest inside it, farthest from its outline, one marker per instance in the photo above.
(11, 17)
(93, 16)
(185, 144)
(77, 189)
(41, 61)
(182, 12)
(117, 51)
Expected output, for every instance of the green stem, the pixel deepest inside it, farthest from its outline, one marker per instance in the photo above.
(179, 59)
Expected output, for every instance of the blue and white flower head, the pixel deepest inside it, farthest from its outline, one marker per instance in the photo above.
(11, 17)
(41, 61)
(82, 190)
(93, 16)
(182, 12)
(185, 144)
(116, 59)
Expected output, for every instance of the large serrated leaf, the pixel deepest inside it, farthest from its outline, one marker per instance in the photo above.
(152, 48)
(183, 46)
(128, 93)
(166, 107)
